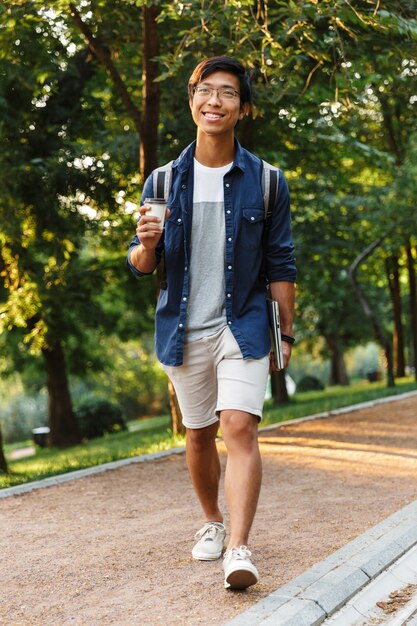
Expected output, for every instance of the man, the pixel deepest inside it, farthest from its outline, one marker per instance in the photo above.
(211, 323)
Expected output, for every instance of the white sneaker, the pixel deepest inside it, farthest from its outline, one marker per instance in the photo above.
(210, 542)
(239, 571)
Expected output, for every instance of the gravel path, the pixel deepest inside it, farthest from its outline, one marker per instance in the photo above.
(114, 548)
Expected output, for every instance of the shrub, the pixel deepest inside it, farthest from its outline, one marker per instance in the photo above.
(21, 412)
(310, 383)
(97, 416)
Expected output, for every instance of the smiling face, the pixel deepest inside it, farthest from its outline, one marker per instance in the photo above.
(215, 115)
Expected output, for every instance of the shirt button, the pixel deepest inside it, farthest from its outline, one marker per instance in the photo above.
(183, 186)
(229, 267)
(185, 299)
(227, 185)
(180, 325)
(229, 239)
(229, 295)
(179, 220)
(252, 218)
(185, 268)
(228, 211)
(229, 323)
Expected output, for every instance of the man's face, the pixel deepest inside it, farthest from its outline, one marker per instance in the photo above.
(215, 112)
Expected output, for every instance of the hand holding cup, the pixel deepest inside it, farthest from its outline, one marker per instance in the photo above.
(151, 222)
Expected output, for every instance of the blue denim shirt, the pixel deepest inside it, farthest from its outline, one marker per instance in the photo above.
(246, 311)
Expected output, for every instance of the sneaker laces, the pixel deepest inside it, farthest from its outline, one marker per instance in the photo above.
(208, 531)
(241, 553)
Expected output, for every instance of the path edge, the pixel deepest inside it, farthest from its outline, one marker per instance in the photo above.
(319, 592)
(112, 465)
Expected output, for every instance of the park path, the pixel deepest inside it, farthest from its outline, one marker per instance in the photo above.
(114, 548)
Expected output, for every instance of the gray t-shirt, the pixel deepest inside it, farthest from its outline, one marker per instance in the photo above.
(206, 313)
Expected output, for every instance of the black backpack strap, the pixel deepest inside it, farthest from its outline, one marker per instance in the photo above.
(162, 178)
(159, 184)
(270, 180)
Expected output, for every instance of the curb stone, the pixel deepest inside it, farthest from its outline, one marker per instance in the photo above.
(88, 471)
(329, 584)
(340, 411)
(363, 607)
(104, 467)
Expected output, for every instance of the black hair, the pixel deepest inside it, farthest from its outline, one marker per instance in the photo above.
(224, 64)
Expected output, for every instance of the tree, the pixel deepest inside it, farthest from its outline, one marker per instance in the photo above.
(411, 262)
(145, 121)
(49, 185)
(3, 462)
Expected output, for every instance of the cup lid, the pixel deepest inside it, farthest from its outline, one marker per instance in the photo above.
(155, 200)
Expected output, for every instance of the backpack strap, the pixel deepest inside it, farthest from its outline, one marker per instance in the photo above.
(270, 179)
(162, 179)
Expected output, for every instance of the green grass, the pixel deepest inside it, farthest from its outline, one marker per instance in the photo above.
(312, 402)
(153, 435)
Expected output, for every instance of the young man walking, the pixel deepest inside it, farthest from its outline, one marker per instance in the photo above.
(212, 333)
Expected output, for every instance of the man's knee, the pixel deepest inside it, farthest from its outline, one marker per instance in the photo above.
(239, 425)
(200, 438)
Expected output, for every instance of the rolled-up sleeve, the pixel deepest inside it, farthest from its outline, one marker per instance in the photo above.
(147, 192)
(280, 260)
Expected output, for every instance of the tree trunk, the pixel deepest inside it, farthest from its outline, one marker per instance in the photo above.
(146, 123)
(104, 57)
(338, 373)
(150, 92)
(178, 427)
(3, 462)
(413, 305)
(378, 332)
(393, 274)
(149, 146)
(64, 427)
(279, 388)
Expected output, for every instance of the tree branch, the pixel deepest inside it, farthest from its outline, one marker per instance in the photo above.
(103, 55)
(364, 255)
(378, 332)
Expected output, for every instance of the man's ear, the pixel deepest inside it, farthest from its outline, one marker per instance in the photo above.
(244, 110)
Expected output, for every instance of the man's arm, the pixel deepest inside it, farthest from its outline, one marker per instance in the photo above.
(280, 263)
(149, 232)
(284, 293)
(142, 259)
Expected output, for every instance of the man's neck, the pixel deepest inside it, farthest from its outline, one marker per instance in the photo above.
(214, 151)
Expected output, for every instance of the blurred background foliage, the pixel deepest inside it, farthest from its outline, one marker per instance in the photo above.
(93, 95)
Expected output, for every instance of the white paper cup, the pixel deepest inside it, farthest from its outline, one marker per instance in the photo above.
(158, 209)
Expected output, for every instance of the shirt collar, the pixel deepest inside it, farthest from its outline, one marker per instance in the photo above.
(185, 160)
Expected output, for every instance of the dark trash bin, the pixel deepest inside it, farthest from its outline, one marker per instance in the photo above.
(373, 377)
(41, 435)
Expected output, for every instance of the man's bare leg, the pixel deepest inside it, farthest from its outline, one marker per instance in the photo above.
(204, 467)
(243, 472)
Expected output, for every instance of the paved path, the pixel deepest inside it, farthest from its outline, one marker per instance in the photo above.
(114, 548)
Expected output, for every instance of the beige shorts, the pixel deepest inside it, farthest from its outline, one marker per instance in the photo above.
(215, 377)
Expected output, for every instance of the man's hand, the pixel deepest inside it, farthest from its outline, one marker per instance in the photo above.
(148, 229)
(286, 353)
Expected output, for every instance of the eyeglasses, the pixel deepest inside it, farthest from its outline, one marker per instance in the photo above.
(224, 93)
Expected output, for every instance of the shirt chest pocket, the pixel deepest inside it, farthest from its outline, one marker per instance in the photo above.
(174, 230)
(251, 227)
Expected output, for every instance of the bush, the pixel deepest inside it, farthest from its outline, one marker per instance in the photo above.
(20, 411)
(310, 383)
(97, 416)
